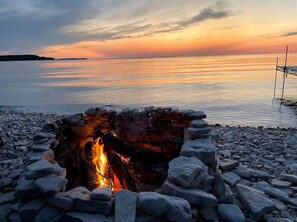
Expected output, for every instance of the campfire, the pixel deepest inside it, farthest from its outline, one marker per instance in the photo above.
(130, 150)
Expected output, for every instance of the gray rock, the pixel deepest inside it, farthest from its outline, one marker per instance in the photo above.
(184, 171)
(227, 196)
(7, 197)
(49, 214)
(91, 112)
(209, 214)
(198, 123)
(173, 208)
(3, 138)
(85, 204)
(195, 133)
(101, 193)
(219, 185)
(65, 200)
(278, 219)
(16, 163)
(242, 172)
(5, 182)
(231, 213)
(44, 146)
(256, 202)
(4, 211)
(228, 164)
(14, 174)
(34, 156)
(30, 209)
(197, 115)
(293, 201)
(86, 217)
(194, 196)
(125, 206)
(289, 177)
(202, 148)
(231, 178)
(276, 193)
(43, 135)
(259, 174)
(279, 205)
(26, 188)
(39, 169)
(50, 184)
(280, 183)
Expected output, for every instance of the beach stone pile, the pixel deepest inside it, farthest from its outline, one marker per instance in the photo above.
(221, 174)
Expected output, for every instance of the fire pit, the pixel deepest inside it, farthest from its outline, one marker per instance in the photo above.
(156, 163)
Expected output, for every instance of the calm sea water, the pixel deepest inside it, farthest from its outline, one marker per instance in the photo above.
(234, 90)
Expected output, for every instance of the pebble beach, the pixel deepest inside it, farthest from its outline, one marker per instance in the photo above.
(258, 157)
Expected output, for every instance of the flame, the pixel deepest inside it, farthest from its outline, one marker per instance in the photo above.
(99, 160)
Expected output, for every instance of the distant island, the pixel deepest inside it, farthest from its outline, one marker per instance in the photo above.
(72, 59)
(4, 58)
(23, 57)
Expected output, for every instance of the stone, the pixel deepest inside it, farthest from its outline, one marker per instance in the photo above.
(219, 185)
(34, 156)
(91, 112)
(280, 183)
(14, 174)
(227, 196)
(194, 196)
(39, 169)
(86, 217)
(183, 171)
(202, 148)
(85, 204)
(26, 188)
(278, 219)
(197, 115)
(198, 123)
(231, 213)
(289, 177)
(242, 172)
(228, 164)
(259, 174)
(50, 127)
(30, 209)
(231, 178)
(7, 198)
(173, 208)
(50, 184)
(43, 135)
(3, 138)
(4, 182)
(101, 193)
(65, 200)
(195, 133)
(279, 205)
(256, 202)
(125, 206)
(293, 201)
(4, 211)
(16, 163)
(209, 214)
(276, 193)
(41, 147)
(49, 214)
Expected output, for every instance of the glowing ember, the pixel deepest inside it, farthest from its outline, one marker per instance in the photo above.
(99, 160)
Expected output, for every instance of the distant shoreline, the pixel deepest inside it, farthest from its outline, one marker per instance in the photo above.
(8, 58)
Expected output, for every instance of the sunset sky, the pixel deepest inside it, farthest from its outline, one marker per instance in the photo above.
(145, 28)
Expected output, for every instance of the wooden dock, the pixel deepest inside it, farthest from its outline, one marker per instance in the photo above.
(291, 70)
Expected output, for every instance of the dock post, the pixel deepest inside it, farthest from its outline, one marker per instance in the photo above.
(285, 72)
(275, 77)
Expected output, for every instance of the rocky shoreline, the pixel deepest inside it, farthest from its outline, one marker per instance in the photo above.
(261, 158)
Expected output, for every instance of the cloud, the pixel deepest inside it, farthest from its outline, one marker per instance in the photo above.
(27, 26)
(94, 30)
(289, 34)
